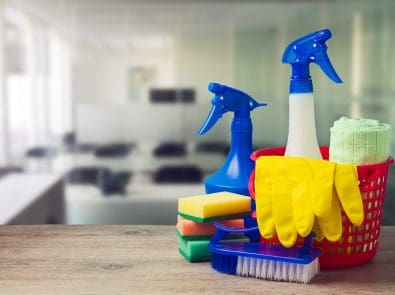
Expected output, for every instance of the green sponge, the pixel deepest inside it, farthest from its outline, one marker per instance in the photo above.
(194, 250)
(194, 238)
(197, 250)
(207, 237)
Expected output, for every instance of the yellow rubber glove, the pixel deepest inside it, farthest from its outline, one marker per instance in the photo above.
(346, 182)
(282, 198)
(265, 217)
(302, 207)
(263, 177)
(296, 195)
(321, 185)
(286, 193)
(331, 225)
(283, 213)
(348, 195)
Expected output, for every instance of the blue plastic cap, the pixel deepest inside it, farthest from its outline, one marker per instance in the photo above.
(301, 52)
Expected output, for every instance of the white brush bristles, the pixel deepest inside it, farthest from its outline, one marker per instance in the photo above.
(277, 270)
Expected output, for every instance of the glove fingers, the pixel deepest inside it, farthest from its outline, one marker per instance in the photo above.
(346, 183)
(319, 236)
(321, 186)
(264, 209)
(302, 209)
(331, 225)
(266, 168)
(283, 213)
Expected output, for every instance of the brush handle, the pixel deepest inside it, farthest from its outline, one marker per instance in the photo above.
(222, 231)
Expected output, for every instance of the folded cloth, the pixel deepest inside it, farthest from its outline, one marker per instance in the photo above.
(359, 141)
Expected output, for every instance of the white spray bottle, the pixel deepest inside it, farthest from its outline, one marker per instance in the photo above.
(302, 138)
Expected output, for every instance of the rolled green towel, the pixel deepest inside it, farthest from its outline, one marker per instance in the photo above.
(359, 141)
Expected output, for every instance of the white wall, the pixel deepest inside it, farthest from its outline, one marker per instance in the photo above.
(101, 73)
(101, 89)
(193, 59)
(203, 57)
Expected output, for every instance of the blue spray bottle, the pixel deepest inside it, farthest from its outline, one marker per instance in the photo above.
(302, 138)
(234, 174)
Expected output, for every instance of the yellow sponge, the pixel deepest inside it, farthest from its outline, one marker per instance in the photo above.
(213, 206)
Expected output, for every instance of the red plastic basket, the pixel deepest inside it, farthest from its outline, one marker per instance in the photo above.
(358, 244)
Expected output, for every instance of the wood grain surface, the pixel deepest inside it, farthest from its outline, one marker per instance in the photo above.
(129, 259)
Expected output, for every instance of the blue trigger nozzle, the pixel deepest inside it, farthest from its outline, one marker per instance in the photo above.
(308, 49)
(228, 99)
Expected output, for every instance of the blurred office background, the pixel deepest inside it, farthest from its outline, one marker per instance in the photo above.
(100, 100)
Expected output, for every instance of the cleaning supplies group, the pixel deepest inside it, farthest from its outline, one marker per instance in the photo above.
(195, 221)
(295, 195)
(299, 195)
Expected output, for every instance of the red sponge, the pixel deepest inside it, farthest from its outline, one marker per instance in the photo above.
(188, 227)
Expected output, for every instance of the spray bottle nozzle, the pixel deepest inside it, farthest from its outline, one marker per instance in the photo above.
(227, 99)
(216, 88)
(301, 52)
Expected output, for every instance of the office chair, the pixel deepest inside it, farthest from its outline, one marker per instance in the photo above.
(178, 174)
(170, 149)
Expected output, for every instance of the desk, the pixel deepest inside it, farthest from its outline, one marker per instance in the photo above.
(140, 159)
(87, 205)
(144, 203)
(130, 259)
(31, 198)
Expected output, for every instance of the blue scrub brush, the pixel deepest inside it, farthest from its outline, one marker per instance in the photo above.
(264, 261)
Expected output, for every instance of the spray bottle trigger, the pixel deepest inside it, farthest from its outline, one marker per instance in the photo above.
(322, 60)
(214, 115)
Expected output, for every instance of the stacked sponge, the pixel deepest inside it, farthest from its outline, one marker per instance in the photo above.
(195, 221)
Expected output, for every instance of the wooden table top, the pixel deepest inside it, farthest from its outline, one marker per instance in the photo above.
(130, 259)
